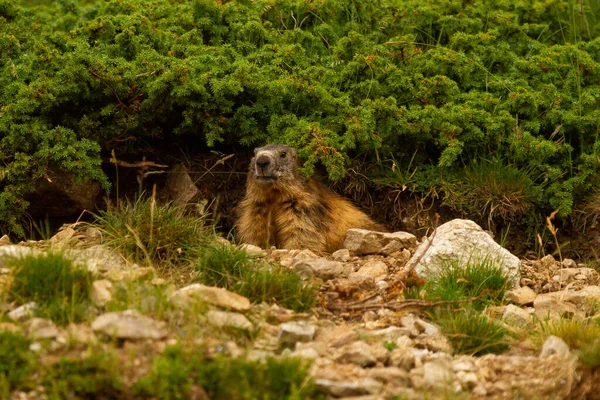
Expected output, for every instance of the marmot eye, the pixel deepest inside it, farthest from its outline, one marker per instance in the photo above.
(283, 154)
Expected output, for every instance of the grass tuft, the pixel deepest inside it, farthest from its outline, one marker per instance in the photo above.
(492, 189)
(16, 363)
(233, 269)
(173, 374)
(480, 278)
(471, 332)
(150, 233)
(60, 287)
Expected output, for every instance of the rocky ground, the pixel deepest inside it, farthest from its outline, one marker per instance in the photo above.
(364, 339)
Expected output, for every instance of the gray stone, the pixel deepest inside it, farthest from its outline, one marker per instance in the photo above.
(225, 319)
(402, 357)
(340, 389)
(438, 372)
(515, 316)
(323, 268)
(342, 255)
(213, 295)
(180, 188)
(557, 305)
(390, 375)
(462, 240)
(101, 293)
(375, 269)
(296, 331)
(129, 324)
(393, 334)
(359, 353)
(555, 346)
(521, 296)
(81, 333)
(362, 241)
(98, 258)
(253, 250)
(23, 312)
(569, 263)
(39, 328)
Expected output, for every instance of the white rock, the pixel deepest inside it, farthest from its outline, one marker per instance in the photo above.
(23, 312)
(99, 258)
(557, 305)
(362, 241)
(555, 346)
(296, 331)
(225, 319)
(462, 240)
(14, 251)
(40, 328)
(101, 293)
(129, 324)
(213, 295)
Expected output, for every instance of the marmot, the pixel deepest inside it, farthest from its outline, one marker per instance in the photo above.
(284, 209)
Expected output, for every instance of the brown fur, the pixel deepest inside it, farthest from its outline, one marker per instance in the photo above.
(283, 209)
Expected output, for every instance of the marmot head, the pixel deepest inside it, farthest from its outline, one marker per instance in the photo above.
(273, 163)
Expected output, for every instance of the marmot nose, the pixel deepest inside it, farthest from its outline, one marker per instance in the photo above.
(263, 162)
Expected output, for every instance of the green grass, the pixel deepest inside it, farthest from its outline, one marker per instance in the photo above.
(146, 298)
(176, 371)
(590, 354)
(576, 333)
(147, 232)
(60, 287)
(17, 363)
(273, 379)
(471, 332)
(492, 189)
(480, 278)
(233, 269)
(95, 376)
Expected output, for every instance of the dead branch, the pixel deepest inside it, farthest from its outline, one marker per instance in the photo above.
(138, 164)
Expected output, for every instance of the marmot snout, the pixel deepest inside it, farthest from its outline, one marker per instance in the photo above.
(284, 209)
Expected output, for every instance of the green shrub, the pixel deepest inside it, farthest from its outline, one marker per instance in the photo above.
(435, 84)
(234, 269)
(148, 232)
(60, 287)
(471, 332)
(94, 376)
(17, 363)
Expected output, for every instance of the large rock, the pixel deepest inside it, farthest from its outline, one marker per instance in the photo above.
(362, 241)
(216, 296)
(462, 240)
(129, 324)
(180, 188)
(521, 296)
